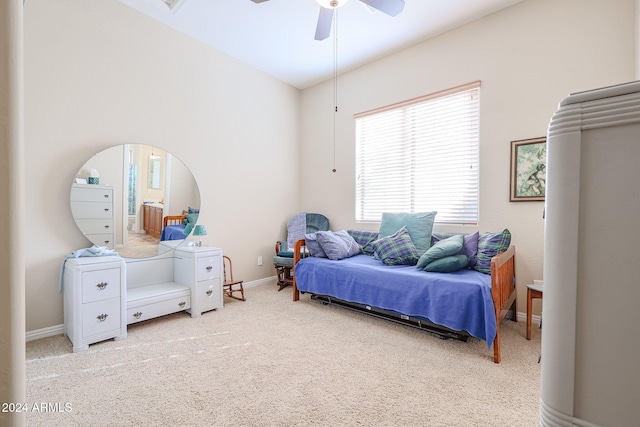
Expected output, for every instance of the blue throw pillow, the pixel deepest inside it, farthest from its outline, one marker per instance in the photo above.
(419, 226)
(337, 245)
(352, 245)
(444, 248)
(397, 249)
(448, 264)
(490, 245)
(314, 246)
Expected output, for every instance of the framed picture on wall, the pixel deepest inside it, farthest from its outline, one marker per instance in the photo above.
(528, 170)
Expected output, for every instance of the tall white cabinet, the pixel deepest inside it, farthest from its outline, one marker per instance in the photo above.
(591, 331)
(93, 207)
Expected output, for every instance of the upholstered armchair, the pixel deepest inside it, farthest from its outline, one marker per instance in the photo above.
(299, 225)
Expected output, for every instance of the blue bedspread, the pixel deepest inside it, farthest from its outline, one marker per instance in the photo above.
(173, 232)
(460, 300)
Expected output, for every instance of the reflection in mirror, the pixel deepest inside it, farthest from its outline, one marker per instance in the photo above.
(135, 189)
(155, 171)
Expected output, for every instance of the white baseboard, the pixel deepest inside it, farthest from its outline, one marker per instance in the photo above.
(259, 282)
(51, 331)
(59, 329)
(535, 319)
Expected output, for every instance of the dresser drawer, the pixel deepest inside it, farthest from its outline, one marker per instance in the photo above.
(207, 268)
(91, 194)
(209, 295)
(101, 240)
(100, 284)
(160, 308)
(92, 210)
(96, 226)
(100, 316)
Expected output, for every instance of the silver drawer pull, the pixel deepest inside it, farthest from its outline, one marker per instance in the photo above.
(209, 292)
(102, 317)
(102, 285)
(106, 226)
(209, 268)
(106, 196)
(182, 304)
(137, 315)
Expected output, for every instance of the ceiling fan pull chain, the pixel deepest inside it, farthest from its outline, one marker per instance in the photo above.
(335, 83)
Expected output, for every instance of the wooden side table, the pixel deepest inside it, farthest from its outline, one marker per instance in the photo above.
(534, 290)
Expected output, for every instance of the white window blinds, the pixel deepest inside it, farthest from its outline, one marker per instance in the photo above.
(420, 155)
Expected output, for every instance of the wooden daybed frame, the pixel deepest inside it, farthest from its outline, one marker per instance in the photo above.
(174, 219)
(503, 288)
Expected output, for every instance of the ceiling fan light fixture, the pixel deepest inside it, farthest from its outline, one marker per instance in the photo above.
(332, 4)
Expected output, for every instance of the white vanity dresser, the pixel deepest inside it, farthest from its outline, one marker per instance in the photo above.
(104, 294)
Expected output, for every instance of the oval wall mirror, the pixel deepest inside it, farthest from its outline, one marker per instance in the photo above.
(136, 199)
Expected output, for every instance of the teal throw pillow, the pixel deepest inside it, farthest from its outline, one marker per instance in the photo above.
(448, 264)
(191, 218)
(419, 225)
(444, 248)
(397, 249)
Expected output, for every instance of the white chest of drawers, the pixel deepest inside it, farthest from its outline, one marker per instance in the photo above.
(201, 268)
(93, 207)
(94, 300)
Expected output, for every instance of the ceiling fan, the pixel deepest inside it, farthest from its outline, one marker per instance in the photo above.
(323, 28)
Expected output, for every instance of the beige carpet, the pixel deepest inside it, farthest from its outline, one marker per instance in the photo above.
(272, 362)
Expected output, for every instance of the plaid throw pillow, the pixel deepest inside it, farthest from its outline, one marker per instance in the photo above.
(364, 239)
(397, 249)
(490, 245)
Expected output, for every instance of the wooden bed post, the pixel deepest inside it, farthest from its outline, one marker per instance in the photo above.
(503, 291)
(300, 244)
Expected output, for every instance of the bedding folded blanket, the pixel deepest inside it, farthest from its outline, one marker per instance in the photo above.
(296, 229)
(460, 300)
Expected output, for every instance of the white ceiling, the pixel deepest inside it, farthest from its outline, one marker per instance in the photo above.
(277, 36)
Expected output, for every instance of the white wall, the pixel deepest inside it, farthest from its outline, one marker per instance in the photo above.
(12, 245)
(97, 74)
(528, 57)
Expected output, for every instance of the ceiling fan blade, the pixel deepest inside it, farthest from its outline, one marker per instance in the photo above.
(390, 7)
(325, 18)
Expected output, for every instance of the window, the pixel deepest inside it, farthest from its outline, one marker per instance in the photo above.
(419, 156)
